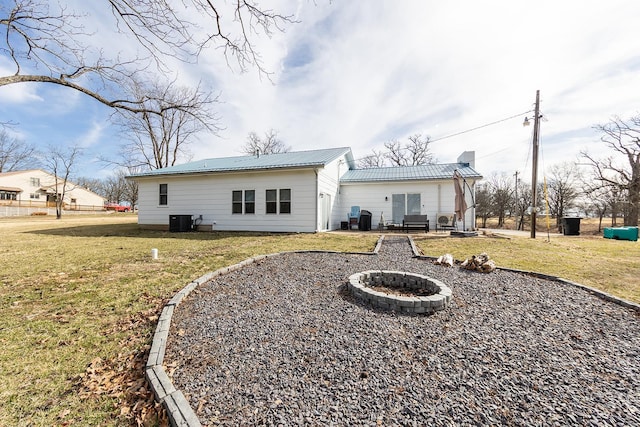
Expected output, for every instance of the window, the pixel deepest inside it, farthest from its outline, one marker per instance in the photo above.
(7, 195)
(285, 201)
(236, 202)
(249, 201)
(34, 182)
(243, 199)
(34, 195)
(272, 201)
(164, 193)
(413, 204)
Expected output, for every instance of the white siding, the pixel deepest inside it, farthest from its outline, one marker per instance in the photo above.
(329, 184)
(435, 197)
(210, 196)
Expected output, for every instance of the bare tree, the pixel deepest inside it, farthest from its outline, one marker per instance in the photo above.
(114, 188)
(621, 170)
(131, 186)
(524, 201)
(483, 202)
(15, 154)
(270, 144)
(395, 153)
(414, 152)
(374, 160)
(95, 185)
(562, 189)
(599, 200)
(501, 192)
(46, 43)
(60, 163)
(156, 141)
(418, 150)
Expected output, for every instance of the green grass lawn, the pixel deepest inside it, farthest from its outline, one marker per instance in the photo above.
(80, 297)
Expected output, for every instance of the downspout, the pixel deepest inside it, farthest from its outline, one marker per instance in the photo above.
(317, 197)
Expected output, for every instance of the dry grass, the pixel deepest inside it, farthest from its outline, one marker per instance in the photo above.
(79, 302)
(610, 265)
(80, 298)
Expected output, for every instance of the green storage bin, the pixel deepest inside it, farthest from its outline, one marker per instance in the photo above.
(621, 233)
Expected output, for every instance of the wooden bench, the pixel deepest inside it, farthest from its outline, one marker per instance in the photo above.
(415, 221)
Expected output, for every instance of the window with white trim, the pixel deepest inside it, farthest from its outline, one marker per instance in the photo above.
(243, 201)
(278, 201)
(163, 194)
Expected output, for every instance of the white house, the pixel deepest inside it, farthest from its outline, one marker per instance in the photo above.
(304, 191)
(37, 188)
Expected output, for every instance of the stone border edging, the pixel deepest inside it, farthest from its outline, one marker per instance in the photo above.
(597, 292)
(180, 412)
(359, 286)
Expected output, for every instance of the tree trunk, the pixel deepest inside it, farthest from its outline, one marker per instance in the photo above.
(600, 222)
(634, 200)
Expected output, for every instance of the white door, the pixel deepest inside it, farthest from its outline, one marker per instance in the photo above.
(325, 214)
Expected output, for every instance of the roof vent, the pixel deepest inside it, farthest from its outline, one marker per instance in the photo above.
(257, 152)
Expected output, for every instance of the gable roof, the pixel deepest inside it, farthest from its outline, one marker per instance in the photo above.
(3, 174)
(409, 173)
(291, 160)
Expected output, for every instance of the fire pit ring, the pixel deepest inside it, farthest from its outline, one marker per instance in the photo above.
(400, 291)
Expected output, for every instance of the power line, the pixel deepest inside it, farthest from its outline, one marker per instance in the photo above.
(471, 130)
(480, 127)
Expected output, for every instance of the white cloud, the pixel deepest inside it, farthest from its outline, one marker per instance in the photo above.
(17, 93)
(354, 74)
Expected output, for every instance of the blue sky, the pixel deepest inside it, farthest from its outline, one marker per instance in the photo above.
(360, 73)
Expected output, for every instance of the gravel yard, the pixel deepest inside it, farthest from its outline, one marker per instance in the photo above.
(281, 342)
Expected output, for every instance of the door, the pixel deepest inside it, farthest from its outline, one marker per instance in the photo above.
(398, 205)
(325, 214)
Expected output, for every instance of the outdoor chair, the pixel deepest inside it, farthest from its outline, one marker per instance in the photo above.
(354, 216)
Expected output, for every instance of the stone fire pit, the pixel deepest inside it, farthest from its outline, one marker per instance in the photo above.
(400, 291)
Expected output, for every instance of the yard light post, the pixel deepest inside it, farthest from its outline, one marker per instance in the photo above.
(534, 172)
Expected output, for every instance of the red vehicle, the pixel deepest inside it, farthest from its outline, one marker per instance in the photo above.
(116, 207)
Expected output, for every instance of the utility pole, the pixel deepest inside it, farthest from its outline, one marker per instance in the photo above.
(534, 173)
(516, 198)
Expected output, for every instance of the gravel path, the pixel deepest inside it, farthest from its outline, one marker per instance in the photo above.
(280, 342)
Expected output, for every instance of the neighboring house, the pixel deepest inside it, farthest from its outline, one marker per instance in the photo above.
(37, 188)
(304, 191)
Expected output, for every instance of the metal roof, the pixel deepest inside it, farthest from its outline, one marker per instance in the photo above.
(297, 159)
(409, 173)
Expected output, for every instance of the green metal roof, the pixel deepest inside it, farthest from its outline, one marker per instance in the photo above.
(409, 173)
(297, 159)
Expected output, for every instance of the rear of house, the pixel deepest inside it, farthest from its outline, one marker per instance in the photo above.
(305, 191)
(390, 193)
(285, 192)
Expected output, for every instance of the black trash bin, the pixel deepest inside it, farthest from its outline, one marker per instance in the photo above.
(365, 221)
(570, 226)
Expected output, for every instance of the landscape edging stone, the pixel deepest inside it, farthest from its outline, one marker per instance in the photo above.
(597, 292)
(180, 412)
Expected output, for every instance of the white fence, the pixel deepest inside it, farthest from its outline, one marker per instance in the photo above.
(33, 210)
